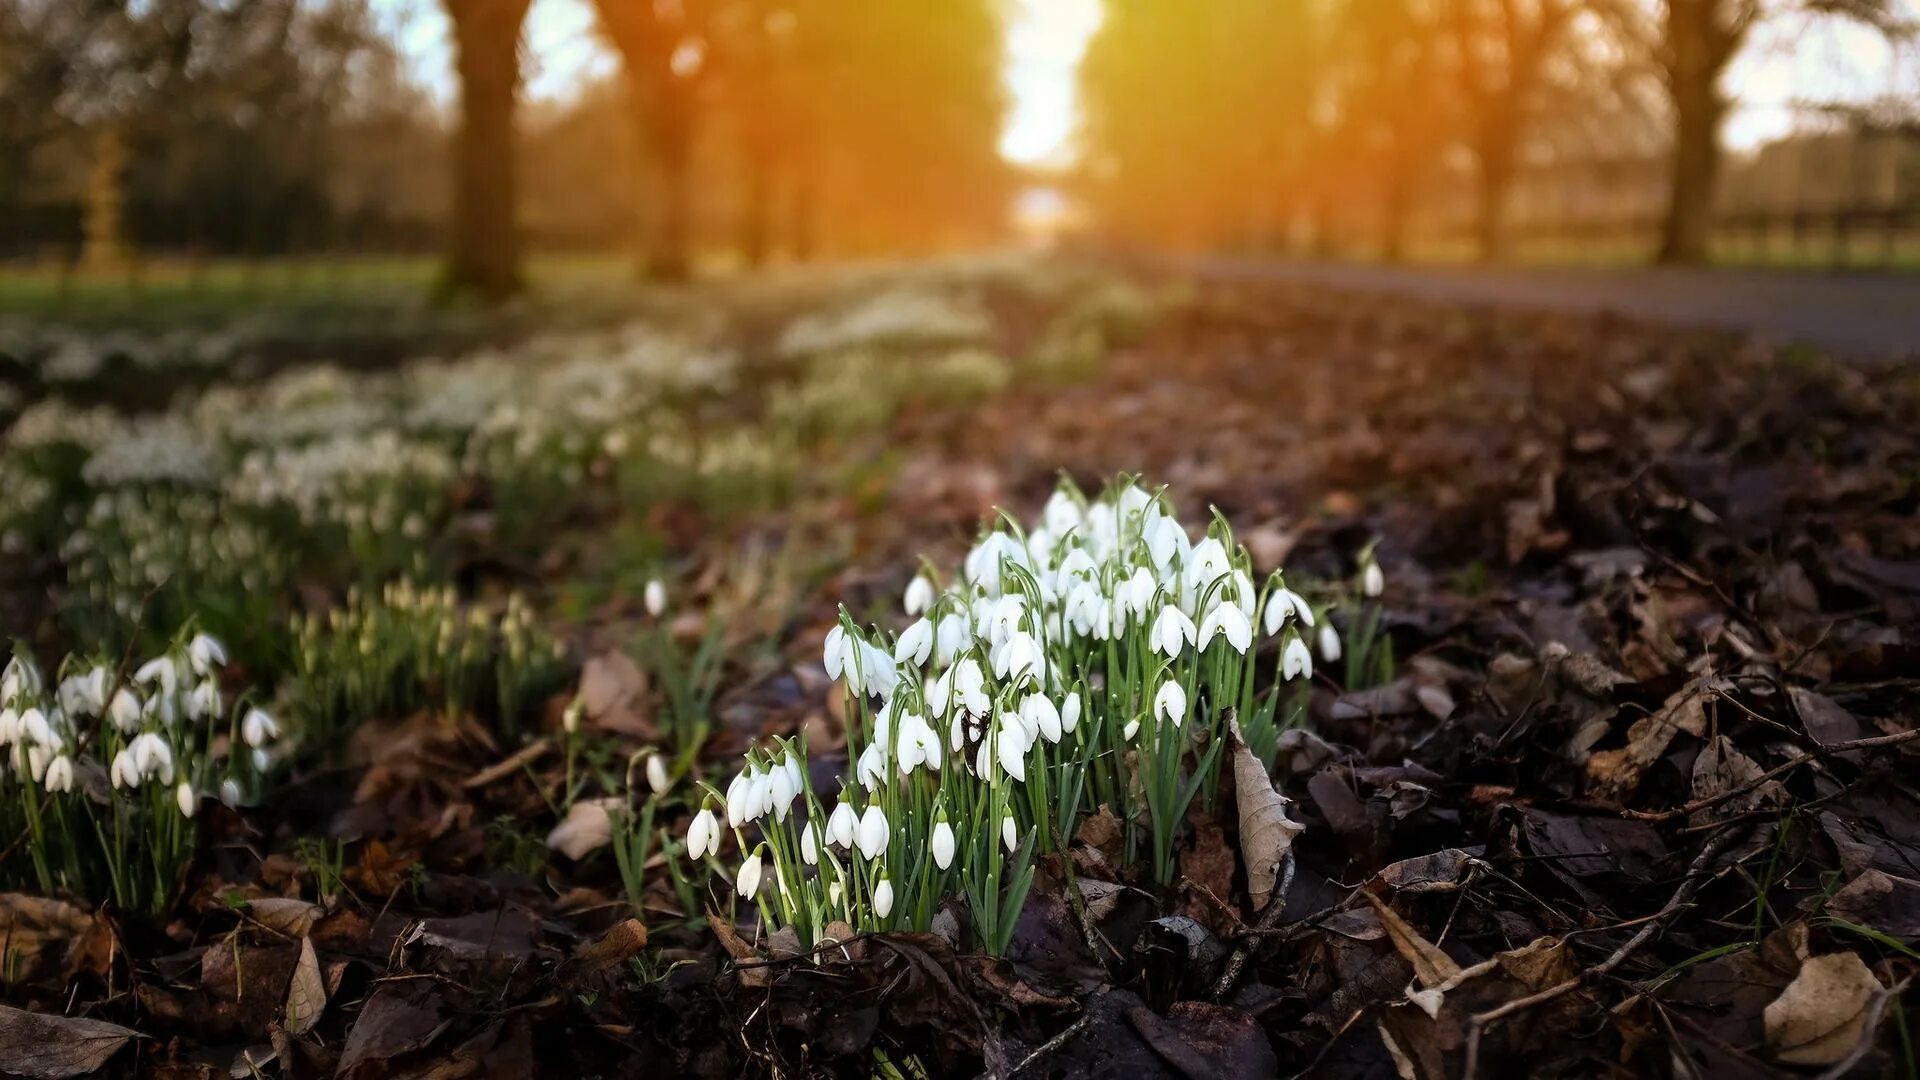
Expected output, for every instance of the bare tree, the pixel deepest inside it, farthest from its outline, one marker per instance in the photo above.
(483, 254)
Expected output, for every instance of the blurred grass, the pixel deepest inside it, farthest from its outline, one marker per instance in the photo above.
(170, 288)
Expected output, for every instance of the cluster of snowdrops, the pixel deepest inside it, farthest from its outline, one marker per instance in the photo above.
(1095, 660)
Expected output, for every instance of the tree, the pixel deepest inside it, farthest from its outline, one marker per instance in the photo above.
(663, 50)
(483, 254)
(1502, 49)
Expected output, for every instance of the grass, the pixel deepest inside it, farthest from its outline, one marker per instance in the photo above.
(175, 288)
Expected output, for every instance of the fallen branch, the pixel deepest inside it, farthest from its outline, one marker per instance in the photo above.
(1258, 936)
(520, 758)
(1694, 880)
(1804, 756)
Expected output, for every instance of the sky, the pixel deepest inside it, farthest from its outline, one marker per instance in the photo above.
(1787, 61)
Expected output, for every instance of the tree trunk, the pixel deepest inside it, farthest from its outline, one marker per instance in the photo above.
(1494, 153)
(483, 254)
(1699, 43)
(104, 247)
(670, 122)
(1686, 234)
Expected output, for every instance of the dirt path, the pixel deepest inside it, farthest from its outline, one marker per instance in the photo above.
(1873, 315)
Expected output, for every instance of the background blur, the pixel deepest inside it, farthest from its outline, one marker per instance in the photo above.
(245, 144)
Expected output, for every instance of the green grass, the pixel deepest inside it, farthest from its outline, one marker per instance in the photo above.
(173, 288)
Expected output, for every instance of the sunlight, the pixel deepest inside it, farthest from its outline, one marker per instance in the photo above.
(1044, 46)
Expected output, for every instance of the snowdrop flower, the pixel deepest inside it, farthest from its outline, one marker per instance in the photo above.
(152, 756)
(230, 792)
(842, 825)
(203, 701)
(1372, 581)
(840, 652)
(34, 728)
(84, 695)
(950, 637)
(160, 669)
(1019, 658)
(1061, 513)
(942, 844)
(654, 596)
(876, 673)
(1295, 660)
(1329, 643)
(871, 769)
(739, 798)
(883, 898)
(257, 729)
(918, 744)
(123, 772)
(1070, 713)
(1207, 563)
(1170, 703)
(1040, 715)
(1133, 728)
(1165, 540)
(1282, 605)
(703, 836)
(780, 792)
(124, 711)
(1172, 632)
(205, 653)
(919, 597)
(9, 727)
(59, 777)
(747, 884)
(1010, 747)
(970, 684)
(873, 834)
(915, 643)
(810, 844)
(658, 779)
(189, 802)
(37, 759)
(1009, 834)
(1137, 592)
(1227, 619)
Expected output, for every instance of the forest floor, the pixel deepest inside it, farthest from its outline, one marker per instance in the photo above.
(1634, 796)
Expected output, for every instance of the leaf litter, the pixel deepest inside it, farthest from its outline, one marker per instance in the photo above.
(1637, 797)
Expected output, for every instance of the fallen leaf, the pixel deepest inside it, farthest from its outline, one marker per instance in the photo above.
(1822, 1014)
(306, 994)
(1431, 966)
(43, 1047)
(283, 915)
(45, 938)
(1266, 833)
(588, 826)
(1722, 768)
(1618, 772)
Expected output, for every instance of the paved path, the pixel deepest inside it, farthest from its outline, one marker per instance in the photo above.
(1872, 315)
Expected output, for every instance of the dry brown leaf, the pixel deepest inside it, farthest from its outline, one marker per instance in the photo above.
(1617, 772)
(1822, 1014)
(44, 1047)
(1721, 768)
(1431, 966)
(589, 825)
(285, 915)
(52, 939)
(306, 993)
(1266, 833)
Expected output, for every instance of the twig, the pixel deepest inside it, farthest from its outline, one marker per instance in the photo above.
(1825, 750)
(1055, 1043)
(526, 755)
(1259, 935)
(1695, 879)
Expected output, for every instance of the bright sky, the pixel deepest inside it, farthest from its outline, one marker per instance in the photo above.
(1787, 62)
